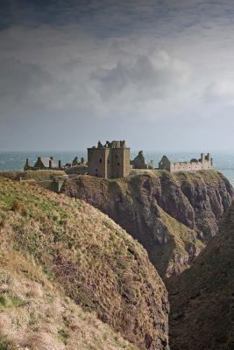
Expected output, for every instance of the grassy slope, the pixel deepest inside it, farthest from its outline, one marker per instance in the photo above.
(35, 314)
(99, 266)
(37, 175)
(43, 177)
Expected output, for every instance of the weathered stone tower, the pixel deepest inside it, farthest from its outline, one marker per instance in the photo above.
(111, 160)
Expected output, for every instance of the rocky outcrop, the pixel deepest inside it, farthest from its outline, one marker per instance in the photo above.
(93, 260)
(173, 216)
(202, 298)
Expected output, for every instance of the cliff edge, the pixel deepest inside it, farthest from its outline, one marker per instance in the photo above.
(172, 215)
(202, 298)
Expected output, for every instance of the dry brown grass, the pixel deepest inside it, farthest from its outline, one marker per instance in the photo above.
(38, 316)
(95, 262)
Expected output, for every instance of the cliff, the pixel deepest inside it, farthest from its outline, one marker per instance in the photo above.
(172, 215)
(94, 261)
(202, 298)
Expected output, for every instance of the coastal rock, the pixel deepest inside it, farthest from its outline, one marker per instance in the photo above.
(172, 215)
(202, 298)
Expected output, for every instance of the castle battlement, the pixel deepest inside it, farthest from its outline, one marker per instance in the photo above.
(111, 160)
(205, 162)
(112, 144)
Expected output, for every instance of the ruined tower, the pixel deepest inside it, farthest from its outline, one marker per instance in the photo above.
(111, 160)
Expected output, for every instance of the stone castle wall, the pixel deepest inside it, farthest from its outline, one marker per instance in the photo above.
(191, 166)
(204, 163)
(111, 160)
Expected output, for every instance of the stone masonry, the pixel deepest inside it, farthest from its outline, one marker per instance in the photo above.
(204, 163)
(111, 160)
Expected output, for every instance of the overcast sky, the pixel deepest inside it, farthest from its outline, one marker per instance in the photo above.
(158, 73)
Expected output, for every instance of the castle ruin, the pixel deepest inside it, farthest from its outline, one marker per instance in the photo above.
(139, 161)
(44, 163)
(204, 163)
(111, 160)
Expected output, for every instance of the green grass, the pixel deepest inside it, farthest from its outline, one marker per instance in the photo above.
(5, 345)
(10, 301)
(63, 335)
(208, 176)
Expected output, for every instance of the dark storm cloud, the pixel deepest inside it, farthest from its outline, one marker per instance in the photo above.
(112, 17)
(67, 65)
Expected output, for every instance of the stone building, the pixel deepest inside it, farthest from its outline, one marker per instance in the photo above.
(111, 160)
(44, 163)
(139, 161)
(204, 163)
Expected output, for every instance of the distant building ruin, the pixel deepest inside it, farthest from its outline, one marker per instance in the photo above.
(111, 160)
(204, 163)
(44, 163)
(76, 167)
(139, 161)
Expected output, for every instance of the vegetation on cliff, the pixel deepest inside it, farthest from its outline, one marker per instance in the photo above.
(35, 314)
(202, 298)
(95, 262)
(172, 215)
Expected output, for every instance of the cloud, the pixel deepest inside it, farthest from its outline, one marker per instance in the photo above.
(221, 91)
(148, 77)
(20, 82)
(71, 72)
(139, 62)
(64, 70)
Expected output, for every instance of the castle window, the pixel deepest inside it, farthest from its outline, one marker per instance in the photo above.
(100, 160)
(118, 163)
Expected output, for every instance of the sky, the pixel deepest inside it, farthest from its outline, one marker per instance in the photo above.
(157, 73)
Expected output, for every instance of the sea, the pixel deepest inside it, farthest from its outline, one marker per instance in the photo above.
(9, 161)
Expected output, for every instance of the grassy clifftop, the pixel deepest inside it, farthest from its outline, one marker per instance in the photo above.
(94, 261)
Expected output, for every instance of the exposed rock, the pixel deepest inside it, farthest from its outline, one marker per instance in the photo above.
(96, 263)
(202, 298)
(173, 216)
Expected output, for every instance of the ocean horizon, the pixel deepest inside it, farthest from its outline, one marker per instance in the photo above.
(15, 160)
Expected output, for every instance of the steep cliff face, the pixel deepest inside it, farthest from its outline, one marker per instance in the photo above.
(94, 261)
(173, 216)
(202, 298)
